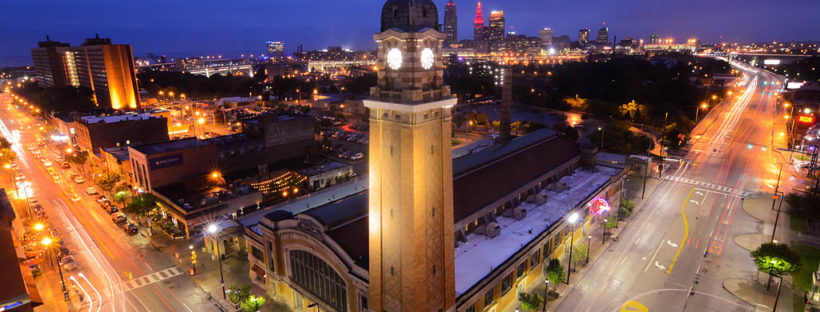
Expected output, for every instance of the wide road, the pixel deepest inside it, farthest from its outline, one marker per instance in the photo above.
(108, 259)
(678, 249)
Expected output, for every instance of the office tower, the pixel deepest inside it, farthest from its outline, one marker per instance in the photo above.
(654, 39)
(49, 63)
(411, 232)
(478, 24)
(583, 36)
(496, 30)
(450, 24)
(603, 36)
(107, 69)
(546, 38)
(275, 48)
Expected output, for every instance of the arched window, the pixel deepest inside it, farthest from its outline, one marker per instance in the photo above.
(319, 278)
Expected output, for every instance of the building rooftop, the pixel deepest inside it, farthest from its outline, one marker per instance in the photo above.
(117, 118)
(480, 255)
(324, 168)
(119, 152)
(170, 146)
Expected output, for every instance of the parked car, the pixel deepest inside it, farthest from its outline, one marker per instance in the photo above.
(68, 263)
(91, 191)
(47, 163)
(357, 156)
(130, 228)
(109, 208)
(65, 165)
(119, 218)
(79, 180)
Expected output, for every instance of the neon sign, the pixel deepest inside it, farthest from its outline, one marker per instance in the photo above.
(599, 206)
(805, 119)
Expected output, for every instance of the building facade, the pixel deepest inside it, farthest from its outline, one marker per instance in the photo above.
(603, 36)
(96, 132)
(478, 25)
(495, 31)
(49, 63)
(450, 24)
(583, 37)
(546, 38)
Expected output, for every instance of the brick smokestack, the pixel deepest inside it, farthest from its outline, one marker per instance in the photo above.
(506, 106)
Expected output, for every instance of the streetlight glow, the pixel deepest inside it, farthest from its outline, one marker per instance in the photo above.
(39, 226)
(212, 228)
(46, 241)
(573, 218)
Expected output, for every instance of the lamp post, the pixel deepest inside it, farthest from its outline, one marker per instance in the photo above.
(777, 217)
(697, 110)
(589, 242)
(213, 229)
(777, 295)
(546, 289)
(572, 219)
(47, 243)
(602, 137)
(777, 185)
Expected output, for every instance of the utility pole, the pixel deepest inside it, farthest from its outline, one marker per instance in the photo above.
(645, 176)
(777, 186)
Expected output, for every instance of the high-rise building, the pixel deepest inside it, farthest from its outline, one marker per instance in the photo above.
(603, 36)
(654, 39)
(411, 179)
(275, 48)
(49, 63)
(450, 24)
(583, 36)
(478, 24)
(546, 38)
(496, 30)
(107, 69)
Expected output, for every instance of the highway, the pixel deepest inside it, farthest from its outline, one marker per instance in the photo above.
(676, 252)
(108, 258)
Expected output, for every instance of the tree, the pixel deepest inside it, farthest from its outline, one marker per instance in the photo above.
(107, 180)
(239, 294)
(141, 204)
(79, 158)
(121, 195)
(579, 253)
(576, 103)
(630, 109)
(627, 206)
(530, 302)
(776, 259)
(7, 156)
(555, 272)
(253, 303)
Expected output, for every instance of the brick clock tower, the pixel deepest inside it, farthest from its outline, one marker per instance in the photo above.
(411, 166)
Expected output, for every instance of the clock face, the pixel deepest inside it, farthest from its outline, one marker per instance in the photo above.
(427, 58)
(394, 59)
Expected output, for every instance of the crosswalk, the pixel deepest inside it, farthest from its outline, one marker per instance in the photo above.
(151, 278)
(707, 185)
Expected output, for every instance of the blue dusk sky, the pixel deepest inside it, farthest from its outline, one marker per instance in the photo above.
(189, 28)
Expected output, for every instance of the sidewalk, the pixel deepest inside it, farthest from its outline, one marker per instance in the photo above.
(597, 247)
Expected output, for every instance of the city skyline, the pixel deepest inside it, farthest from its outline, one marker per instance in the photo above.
(182, 30)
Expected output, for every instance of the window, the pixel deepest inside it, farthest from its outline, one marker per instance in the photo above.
(534, 261)
(257, 253)
(319, 278)
(506, 284)
(522, 268)
(363, 300)
(471, 308)
(488, 298)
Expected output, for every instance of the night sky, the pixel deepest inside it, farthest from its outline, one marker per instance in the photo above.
(188, 28)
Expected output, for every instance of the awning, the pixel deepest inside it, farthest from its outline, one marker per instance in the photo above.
(259, 271)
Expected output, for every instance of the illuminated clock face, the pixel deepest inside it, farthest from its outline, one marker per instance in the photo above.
(427, 58)
(394, 59)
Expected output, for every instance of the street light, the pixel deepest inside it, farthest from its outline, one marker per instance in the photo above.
(39, 227)
(47, 243)
(602, 137)
(697, 110)
(213, 229)
(546, 289)
(589, 242)
(572, 219)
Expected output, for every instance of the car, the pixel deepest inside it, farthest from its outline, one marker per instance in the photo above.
(47, 163)
(357, 156)
(68, 263)
(130, 228)
(119, 218)
(65, 165)
(91, 191)
(79, 180)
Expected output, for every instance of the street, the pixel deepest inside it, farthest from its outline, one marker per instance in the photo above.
(677, 251)
(107, 258)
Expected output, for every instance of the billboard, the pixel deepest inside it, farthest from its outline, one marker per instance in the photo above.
(771, 62)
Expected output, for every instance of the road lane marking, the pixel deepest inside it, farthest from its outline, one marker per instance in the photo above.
(653, 257)
(685, 233)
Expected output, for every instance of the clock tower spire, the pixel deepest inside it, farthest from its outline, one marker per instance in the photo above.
(411, 176)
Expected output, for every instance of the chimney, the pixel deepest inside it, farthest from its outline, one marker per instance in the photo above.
(506, 106)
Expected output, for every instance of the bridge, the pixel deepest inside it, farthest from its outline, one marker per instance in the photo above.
(206, 67)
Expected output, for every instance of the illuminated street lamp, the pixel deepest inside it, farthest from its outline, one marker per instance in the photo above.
(703, 106)
(39, 227)
(213, 229)
(572, 220)
(47, 243)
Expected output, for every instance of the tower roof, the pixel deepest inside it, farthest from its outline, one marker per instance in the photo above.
(409, 15)
(479, 19)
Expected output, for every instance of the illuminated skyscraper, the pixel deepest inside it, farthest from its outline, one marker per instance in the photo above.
(496, 30)
(603, 36)
(583, 36)
(546, 38)
(450, 23)
(411, 232)
(654, 39)
(478, 24)
(107, 69)
(275, 48)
